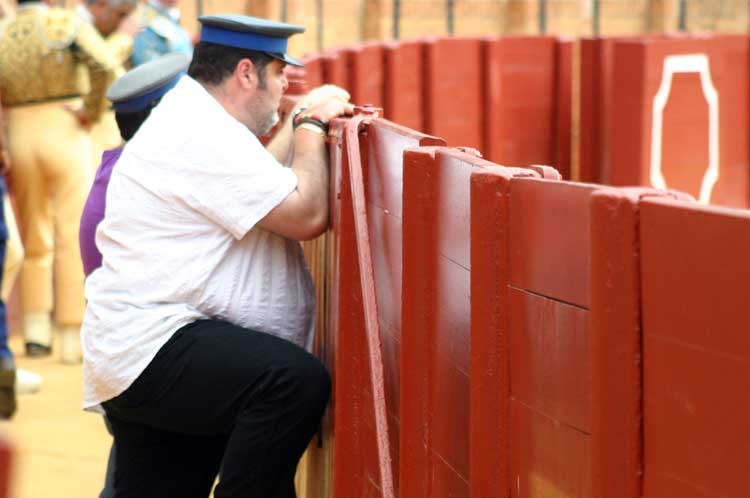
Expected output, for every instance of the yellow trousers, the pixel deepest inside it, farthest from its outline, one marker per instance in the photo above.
(50, 179)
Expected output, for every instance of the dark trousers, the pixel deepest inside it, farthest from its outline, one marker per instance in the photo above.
(217, 396)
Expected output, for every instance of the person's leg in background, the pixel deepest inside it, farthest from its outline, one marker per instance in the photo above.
(68, 168)
(28, 130)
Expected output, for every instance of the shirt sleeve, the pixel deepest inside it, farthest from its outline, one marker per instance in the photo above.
(238, 185)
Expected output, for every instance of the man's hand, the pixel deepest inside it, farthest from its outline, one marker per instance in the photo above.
(323, 93)
(329, 108)
(81, 114)
(5, 161)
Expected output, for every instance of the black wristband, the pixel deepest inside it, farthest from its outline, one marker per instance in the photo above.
(313, 121)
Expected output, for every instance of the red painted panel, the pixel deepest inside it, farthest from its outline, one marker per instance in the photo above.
(355, 458)
(490, 371)
(593, 95)
(733, 187)
(520, 100)
(453, 90)
(549, 233)
(383, 173)
(404, 84)
(548, 459)
(563, 108)
(616, 346)
(550, 358)
(336, 68)
(314, 71)
(638, 75)
(436, 322)
(696, 350)
(352, 400)
(366, 85)
(628, 133)
(596, 100)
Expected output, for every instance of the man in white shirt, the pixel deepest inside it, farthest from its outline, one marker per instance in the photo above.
(197, 321)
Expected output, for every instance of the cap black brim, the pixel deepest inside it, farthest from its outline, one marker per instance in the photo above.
(286, 58)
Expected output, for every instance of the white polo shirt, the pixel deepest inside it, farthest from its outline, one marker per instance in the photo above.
(179, 242)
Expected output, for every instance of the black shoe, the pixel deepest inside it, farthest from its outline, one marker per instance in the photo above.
(35, 350)
(7, 387)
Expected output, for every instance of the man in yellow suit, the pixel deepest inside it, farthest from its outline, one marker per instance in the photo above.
(41, 50)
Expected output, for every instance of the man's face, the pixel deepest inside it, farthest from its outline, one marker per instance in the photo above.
(271, 87)
(107, 19)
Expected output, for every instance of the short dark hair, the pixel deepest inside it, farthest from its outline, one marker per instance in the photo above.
(129, 122)
(212, 63)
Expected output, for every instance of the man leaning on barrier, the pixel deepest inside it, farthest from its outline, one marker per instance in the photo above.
(197, 321)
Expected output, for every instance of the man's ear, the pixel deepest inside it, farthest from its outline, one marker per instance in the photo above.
(246, 73)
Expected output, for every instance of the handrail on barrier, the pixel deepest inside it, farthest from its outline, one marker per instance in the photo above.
(366, 272)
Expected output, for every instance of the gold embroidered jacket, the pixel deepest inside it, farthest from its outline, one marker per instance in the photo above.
(41, 52)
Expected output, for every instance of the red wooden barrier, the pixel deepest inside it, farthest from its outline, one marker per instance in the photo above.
(404, 84)
(453, 90)
(519, 109)
(681, 112)
(696, 350)
(355, 443)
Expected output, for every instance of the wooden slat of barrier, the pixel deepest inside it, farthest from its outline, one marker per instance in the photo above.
(550, 240)
(336, 67)
(563, 107)
(314, 66)
(595, 104)
(436, 341)
(366, 80)
(696, 349)
(355, 472)
(404, 83)
(386, 142)
(520, 100)
(490, 373)
(616, 346)
(453, 91)
(550, 357)
(617, 433)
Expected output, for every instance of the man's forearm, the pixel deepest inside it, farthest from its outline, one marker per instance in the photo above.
(310, 164)
(280, 145)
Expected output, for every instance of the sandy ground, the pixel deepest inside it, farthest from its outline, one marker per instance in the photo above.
(60, 450)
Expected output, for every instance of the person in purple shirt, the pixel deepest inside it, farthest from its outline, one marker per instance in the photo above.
(132, 96)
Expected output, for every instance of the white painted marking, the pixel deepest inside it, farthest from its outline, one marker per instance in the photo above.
(694, 63)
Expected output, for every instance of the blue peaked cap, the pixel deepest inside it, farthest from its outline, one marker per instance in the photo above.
(140, 87)
(250, 33)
